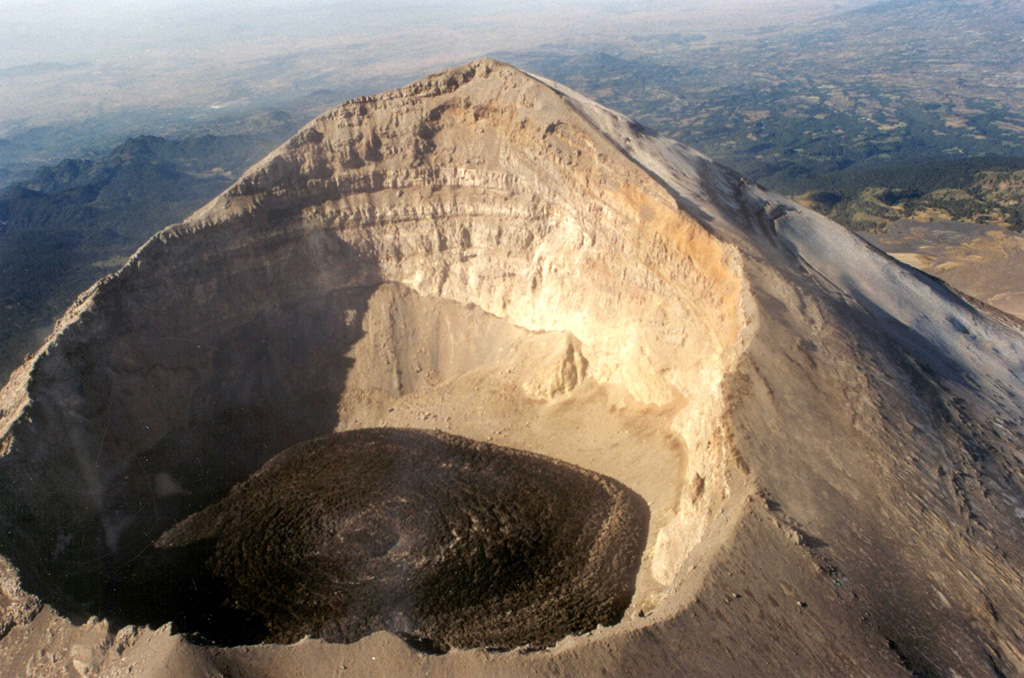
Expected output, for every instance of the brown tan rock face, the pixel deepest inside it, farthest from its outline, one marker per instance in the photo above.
(827, 443)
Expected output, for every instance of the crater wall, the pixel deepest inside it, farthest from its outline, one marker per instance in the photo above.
(473, 226)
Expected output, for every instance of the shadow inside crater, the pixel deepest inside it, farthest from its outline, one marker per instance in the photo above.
(208, 407)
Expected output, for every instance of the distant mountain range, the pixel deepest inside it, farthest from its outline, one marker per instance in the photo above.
(78, 220)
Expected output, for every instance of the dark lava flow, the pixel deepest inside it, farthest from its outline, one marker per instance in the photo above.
(445, 541)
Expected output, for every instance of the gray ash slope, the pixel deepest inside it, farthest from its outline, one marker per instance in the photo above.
(827, 441)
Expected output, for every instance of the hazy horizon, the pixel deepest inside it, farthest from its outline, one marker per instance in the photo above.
(62, 31)
(80, 76)
(61, 59)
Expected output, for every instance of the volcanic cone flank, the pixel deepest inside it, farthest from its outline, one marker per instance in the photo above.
(813, 450)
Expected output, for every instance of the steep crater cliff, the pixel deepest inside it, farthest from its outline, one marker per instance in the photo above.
(469, 254)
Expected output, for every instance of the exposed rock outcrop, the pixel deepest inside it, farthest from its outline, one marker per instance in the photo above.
(827, 442)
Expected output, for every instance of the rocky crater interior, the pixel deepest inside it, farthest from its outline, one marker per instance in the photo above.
(488, 297)
(507, 277)
(447, 541)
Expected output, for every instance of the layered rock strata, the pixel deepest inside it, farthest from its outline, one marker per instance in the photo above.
(827, 441)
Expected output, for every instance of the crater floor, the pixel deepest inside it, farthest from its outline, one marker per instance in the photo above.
(445, 541)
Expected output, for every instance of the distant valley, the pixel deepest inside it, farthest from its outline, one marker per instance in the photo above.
(840, 109)
(81, 219)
